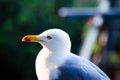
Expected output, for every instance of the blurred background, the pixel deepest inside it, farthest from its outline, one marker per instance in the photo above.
(22, 17)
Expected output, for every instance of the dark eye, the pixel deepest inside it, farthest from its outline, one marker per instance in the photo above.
(49, 37)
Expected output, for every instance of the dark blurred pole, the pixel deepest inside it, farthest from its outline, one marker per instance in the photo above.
(112, 31)
(113, 2)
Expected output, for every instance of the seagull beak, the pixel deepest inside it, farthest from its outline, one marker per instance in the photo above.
(30, 38)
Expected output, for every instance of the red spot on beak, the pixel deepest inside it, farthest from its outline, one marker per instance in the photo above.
(27, 39)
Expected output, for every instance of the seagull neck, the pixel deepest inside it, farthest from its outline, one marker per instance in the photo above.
(56, 57)
(57, 51)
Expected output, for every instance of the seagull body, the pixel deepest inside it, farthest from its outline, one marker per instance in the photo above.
(56, 62)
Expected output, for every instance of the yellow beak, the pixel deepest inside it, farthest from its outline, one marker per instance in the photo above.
(30, 38)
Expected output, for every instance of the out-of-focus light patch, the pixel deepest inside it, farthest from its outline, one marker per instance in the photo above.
(23, 17)
(114, 58)
(8, 25)
(97, 21)
(103, 6)
(62, 12)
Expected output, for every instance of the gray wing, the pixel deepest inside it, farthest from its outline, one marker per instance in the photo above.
(76, 68)
(70, 73)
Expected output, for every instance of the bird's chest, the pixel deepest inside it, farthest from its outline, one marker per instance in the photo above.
(45, 71)
(42, 70)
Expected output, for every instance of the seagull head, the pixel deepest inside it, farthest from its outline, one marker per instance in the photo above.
(53, 39)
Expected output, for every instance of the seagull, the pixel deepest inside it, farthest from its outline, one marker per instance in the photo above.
(55, 61)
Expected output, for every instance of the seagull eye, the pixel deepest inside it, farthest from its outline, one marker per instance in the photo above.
(49, 37)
